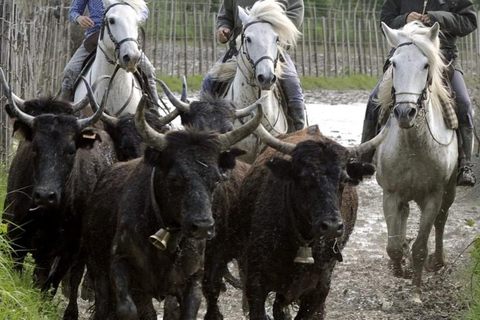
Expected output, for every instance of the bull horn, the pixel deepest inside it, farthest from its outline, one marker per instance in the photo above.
(184, 98)
(80, 105)
(16, 111)
(230, 138)
(152, 137)
(182, 106)
(272, 142)
(82, 123)
(169, 117)
(370, 145)
(240, 113)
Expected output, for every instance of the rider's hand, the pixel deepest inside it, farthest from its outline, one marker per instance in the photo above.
(223, 34)
(426, 20)
(85, 22)
(413, 16)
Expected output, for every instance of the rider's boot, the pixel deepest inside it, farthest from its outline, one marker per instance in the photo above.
(465, 176)
(297, 114)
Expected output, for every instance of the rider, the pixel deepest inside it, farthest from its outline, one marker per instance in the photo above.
(92, 23)
(230, 27)
(456, 19)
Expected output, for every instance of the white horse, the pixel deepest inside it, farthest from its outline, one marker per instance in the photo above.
(117, 46)
(417, 161)
(267, 32)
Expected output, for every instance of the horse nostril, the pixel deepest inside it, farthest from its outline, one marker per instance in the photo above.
(261, 79)
(126, 58)
(274, 79)
(396, 113)
(412, 113)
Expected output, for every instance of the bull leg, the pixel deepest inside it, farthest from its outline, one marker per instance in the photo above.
(126, 308)
(396, 212)
(279, 307)
(171, 308)
(256, 294)
(312, 304)
(76, 274)
(430, 209)
(144, 304)
(190, 302)
(103, 295)
(212, 285)
(436, 261)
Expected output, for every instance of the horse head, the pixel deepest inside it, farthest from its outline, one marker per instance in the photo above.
(267, 31)
(416, 69)
(119, 33)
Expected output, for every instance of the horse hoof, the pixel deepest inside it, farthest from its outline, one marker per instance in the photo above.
(433, 265)
(416, 299)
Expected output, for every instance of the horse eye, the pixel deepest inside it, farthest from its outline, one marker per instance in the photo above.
(393, 64)
(427, 66)
(111, 21)
(278, 40)
(248, 40)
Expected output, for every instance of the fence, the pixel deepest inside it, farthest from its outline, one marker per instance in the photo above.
(342, 39)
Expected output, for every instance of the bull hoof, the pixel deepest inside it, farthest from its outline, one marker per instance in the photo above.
(433, 264)
(416, 298)
(213, 316)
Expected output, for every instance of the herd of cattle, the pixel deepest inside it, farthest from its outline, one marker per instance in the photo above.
(156, 213)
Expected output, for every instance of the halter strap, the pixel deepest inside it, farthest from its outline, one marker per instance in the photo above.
(247, 55)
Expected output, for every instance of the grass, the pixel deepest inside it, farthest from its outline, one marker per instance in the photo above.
(473, 294)
(18, 297)
(355, 82)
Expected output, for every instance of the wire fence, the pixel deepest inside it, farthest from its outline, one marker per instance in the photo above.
(338, 40)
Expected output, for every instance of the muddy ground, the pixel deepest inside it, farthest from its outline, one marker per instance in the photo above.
(363, 286)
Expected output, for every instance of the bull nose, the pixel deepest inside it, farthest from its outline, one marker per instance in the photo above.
(203, 229)
(331, 228)
(46, 198)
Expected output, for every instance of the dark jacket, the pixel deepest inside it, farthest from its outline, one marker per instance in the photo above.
(228, 14)
(457, 18)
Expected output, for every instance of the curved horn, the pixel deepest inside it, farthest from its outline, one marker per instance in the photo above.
(272, 142)
(152, 137)
(184, 107)
(16, 111)
(82, 123)
(169, 117)
(80, 105)
(370, 145)
(184, 98)
(240, 113)
(230, 138)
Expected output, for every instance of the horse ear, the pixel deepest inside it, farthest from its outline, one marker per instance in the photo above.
(242, 14)
(434, 30)
(391, 35)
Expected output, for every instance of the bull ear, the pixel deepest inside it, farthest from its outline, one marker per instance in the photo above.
(358, 170)
(87, 138)
(227, 159)
(20, 132)
(282, 169)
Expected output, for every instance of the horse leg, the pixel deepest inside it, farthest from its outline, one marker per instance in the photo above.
(126, 308)
(430, 209)
(396, 212)
(437, 260)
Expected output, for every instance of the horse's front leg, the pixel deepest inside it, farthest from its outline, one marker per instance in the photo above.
(396, 212)
(436, 261)
(430, 209)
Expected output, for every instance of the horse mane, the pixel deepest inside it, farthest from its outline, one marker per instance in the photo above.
(437, 92)
(274, 13)
(138, 5)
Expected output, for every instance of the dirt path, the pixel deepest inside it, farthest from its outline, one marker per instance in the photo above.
(363, 286)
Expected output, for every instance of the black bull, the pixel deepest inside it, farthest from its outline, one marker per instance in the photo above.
(288, 201)
(170, 188)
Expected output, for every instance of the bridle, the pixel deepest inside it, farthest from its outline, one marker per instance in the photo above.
(422, 96)
(117, 44)
(246, 54)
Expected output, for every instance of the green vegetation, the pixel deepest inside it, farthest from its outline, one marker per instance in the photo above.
(356, 82)
(18, 298)
(473, 294)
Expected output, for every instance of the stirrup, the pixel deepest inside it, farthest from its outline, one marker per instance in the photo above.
(466, 177)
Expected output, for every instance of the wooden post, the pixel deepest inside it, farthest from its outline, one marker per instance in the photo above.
(315, 41)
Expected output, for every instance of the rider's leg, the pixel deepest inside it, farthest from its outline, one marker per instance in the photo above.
(465, 177)
(292, 88)
(71, 72)
(370, 122)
